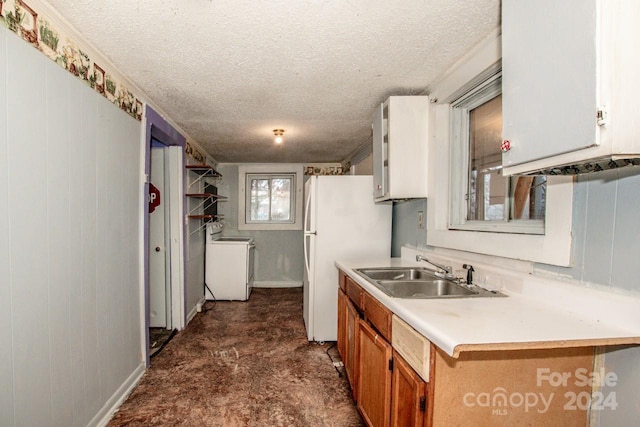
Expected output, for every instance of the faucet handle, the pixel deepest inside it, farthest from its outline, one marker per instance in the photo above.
(470, 271)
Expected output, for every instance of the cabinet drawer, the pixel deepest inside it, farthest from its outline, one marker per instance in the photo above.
(354, 292)
(412, 346)
(342, 280)
(378, 315)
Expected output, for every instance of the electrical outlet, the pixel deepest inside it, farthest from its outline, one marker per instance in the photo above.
(420, 219)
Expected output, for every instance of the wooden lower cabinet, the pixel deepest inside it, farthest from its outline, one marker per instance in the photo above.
(374, 377)
(533, 387)
(342, 324)
(351, 346)
(498, 387)
(348, 319)
(408, 395)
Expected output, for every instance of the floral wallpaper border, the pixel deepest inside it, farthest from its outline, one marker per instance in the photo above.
(38, 31)
(194, 153)
(326, 169)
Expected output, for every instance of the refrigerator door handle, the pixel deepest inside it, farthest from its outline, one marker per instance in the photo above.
(306, 258)
(306, 212)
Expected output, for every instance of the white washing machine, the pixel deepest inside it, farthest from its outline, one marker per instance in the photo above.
(229, 261)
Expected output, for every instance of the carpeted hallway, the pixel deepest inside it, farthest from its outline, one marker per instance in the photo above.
(243, 364)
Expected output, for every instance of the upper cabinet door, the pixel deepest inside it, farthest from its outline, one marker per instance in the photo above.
(379, 153)
(400, 156)
(550, 71)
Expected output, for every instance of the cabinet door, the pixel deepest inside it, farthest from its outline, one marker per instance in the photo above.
(374, 377)
(342, 324)
(549, 86)
(379, 154)
(351, 346)
(408, 395)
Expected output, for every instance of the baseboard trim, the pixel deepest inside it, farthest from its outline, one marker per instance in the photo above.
(277, 284)
(105, 414)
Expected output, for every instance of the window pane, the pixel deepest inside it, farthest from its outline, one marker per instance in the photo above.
(487, 194)
(270, 198)
(529, 197)
(281, 199)
(259, 206)
(487, 187)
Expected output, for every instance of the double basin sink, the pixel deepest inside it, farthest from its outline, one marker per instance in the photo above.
(420, 283)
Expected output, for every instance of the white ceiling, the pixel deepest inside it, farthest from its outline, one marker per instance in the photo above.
(229, 72)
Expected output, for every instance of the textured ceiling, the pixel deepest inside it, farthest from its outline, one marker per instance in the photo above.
(229, 72)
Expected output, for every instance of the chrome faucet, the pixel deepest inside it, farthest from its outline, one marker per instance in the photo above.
(445, 270)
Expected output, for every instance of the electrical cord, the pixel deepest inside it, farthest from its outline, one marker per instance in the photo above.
(335, 364)
(175, 331)
(214, 300)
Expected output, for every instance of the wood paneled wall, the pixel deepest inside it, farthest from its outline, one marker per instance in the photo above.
(70, 203)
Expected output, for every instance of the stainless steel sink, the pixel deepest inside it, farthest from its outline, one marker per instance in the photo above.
(423, 288)
(397, 273)
(420, 283)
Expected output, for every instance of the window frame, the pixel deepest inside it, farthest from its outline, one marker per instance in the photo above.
(475, 96)
(270, 177)
(288, 169)
(553, 247)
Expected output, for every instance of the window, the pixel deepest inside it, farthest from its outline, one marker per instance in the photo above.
(487, 200)
(448, 226)
(270, 197)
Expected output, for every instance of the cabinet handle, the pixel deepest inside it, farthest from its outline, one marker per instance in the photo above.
(157, 248)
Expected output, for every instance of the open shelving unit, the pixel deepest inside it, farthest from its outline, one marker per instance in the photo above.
(205, 200)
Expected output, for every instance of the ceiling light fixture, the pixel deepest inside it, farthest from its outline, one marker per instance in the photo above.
(278, 134)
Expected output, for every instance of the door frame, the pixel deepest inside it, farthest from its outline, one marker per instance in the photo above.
(157, 129)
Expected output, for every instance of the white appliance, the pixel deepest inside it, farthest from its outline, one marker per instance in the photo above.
(228, 270)
(341, 222)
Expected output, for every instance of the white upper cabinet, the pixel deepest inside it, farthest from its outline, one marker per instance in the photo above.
(400, 134)
(569, 85)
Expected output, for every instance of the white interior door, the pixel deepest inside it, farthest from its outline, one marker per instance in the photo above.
(158, 283)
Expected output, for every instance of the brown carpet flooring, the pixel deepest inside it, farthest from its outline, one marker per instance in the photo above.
(243, 364)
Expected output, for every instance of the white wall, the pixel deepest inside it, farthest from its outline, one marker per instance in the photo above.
(279, 259)
(195, 241)
(605, 251)
(195, 273)
(70, 205)
(404, 229)
(364, 167)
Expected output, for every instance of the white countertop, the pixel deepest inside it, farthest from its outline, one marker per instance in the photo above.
(538, 313)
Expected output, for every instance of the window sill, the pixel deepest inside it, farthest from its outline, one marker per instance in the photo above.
(269, 227)
(553, 247)
(513, 227)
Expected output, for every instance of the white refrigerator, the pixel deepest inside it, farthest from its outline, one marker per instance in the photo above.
(341, 222)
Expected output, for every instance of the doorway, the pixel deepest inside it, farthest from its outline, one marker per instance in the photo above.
(164, 248)
(160, 322)
(163, 291)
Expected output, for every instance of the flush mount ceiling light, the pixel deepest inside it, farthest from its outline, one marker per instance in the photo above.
(278, 135)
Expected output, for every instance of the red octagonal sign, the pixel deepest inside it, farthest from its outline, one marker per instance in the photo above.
(154, 198)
